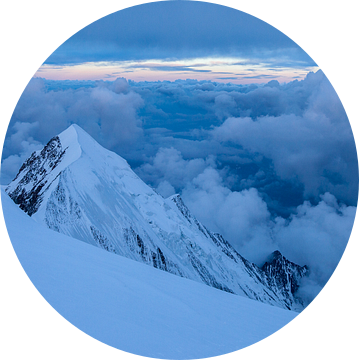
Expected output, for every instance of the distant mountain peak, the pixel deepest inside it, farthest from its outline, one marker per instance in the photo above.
(275, 255)
(284, 274)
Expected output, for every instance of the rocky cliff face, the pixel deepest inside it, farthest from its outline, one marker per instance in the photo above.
(283, 275)
(76, 187)
(32, 179)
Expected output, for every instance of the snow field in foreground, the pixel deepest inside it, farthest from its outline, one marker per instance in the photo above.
(132, 306)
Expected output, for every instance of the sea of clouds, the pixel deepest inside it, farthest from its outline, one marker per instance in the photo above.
(270, 166)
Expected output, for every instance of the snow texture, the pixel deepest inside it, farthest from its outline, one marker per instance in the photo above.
(131, 306)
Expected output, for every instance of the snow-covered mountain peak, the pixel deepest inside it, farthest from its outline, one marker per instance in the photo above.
(78, 142)
(74, 136)
(69, 136)
(76, 187)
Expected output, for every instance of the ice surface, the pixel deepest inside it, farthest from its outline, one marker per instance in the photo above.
(131, 306)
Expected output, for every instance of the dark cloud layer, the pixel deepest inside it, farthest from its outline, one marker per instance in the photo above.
(178, 30)
(269, 167)
(312, 142)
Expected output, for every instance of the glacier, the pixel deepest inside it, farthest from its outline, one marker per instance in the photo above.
(76, 187)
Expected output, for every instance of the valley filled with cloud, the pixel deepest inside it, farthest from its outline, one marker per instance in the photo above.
(269, 166)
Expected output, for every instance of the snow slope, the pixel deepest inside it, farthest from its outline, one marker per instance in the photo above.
(131, 306)
(76, 187)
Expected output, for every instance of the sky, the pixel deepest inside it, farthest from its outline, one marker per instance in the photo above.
(221, 108)
(170, 41)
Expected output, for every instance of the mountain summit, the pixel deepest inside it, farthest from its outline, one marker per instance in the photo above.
(76, 187)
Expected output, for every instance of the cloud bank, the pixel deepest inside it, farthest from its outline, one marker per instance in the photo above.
(313, 235)
(178, 30)
(313, 144)
(108, 112)
(269, 166)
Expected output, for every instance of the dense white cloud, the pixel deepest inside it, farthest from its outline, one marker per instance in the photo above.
(108, 111)
(116, 112)
(241, 217)
(316, 147)
(169, 167)
(165, 189)
(11, 165)
(224, 105)
(315, 235)
(23, 144)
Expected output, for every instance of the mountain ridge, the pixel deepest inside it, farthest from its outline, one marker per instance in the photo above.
(283, 274)
(76, 187)
(131, 306)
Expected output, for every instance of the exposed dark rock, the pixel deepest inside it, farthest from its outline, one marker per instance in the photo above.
(280, 274)
(102, 240)
(29, 190)
(283, 274)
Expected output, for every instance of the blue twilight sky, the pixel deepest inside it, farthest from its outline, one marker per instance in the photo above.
(216, 105)
(178, 40)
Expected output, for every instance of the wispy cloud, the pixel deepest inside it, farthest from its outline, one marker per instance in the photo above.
(177, 69)
(259, 76)
(157, 69)
(176, 40)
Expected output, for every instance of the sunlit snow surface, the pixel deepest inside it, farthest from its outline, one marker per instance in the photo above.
(132, 306)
